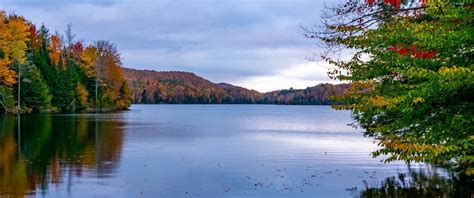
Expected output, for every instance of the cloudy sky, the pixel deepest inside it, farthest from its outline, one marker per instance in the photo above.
(256, 44)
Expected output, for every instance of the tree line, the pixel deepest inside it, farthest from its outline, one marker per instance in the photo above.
(173, 87)
(53, 72)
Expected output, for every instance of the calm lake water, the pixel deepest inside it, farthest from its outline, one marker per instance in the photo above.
(203, 151)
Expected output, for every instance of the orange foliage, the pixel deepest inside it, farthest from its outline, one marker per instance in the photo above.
(113, 72)
(55, 49)
(33, 37)
(13, 179)
(13, 37)
(149, 86)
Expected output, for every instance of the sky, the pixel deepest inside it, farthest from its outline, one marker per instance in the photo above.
(257, 44)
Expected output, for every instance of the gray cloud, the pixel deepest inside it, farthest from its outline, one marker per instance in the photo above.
(220, 40)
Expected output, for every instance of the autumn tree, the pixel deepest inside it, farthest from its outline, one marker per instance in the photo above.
(412, 75)
(40, 47)
(13, 37)
(109, 77)
(89, 56)
(59, 73)
(82, 97)
(124, 99)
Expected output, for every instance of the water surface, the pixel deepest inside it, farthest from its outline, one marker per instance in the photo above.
(203, 151)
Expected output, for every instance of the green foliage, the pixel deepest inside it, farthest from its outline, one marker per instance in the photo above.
(419, 184)
(413, 84)
(59, 77)
(7, 102)
(105, 101)
(35, 92)
(70, 77)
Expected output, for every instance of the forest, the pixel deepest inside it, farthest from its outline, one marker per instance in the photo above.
(173, 87)
(42, 71)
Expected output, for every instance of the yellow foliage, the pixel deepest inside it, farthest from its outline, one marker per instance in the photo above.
(412, 149)
(89, 56)
(358, 87)
(82, 95)
(418, 100)
(344, 106)
(13, 179)
(380, 101)
(13, 37)
(470, 171)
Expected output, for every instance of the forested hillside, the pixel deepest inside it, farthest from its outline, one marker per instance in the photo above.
(317, 95)
(173, 87)
(53, 72)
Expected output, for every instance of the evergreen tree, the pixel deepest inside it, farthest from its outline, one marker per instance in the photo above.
(144, 99)
(35, 92)
(41, 57)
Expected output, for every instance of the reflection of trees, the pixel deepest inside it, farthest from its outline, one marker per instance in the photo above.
(420, 184)
(53, 147)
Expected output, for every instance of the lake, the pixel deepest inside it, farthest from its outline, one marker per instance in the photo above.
(204, 151)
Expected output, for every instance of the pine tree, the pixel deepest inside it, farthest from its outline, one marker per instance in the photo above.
(144, 99)
(35, 91)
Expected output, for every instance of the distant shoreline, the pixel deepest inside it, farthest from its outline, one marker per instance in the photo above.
(176, 87)
(235, 104)
(125, 110)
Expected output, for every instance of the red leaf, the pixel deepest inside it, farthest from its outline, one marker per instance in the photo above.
(403, 51)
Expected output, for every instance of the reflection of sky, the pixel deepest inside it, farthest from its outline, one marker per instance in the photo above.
(226, 151)
(212, 149)
(256, 44)
(296, 124)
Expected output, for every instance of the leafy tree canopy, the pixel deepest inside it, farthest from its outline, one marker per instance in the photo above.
(412, 74)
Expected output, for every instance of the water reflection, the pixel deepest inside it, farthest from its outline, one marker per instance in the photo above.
(37, 151)
(204, 151)
(419, 183)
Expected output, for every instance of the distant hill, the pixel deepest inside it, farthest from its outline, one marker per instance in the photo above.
(316, 95)
(176, 87)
